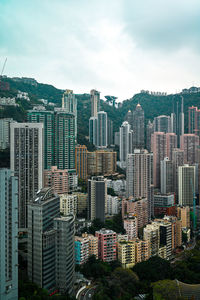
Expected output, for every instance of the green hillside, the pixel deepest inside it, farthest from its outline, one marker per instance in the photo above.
(152, 105)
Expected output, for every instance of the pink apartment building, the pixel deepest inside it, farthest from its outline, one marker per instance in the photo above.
(58, 179)
(107, 244)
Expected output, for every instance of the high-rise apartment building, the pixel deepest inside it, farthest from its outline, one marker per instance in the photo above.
(5, 132)
(47, 118)
(97, 198)
(69, 104)
(131, 226)
(139, 176)
(164, 204)
(165, 229)
(65, 140)
(125, 146)
(81, 161)
(93, 130)
(137, 207)
(194, 120)
(110, 135)
(151, 233)
(162, 124)
(166, 176)
(101, 162)
(149, 132)
(189, 144)
(177, 160)
(158, 146)
(171, 144)
(64, 254)
(142, 250)
(95, 102)
(138, 127)
(26, 161)
(102, 130)
(41, 238)
(58, 179)
(107, 245)
(186, 184)
(8, 235)
(93, 244)
(113, 204)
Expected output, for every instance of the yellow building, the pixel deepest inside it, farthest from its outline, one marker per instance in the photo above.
(162, 252)
(126, 253)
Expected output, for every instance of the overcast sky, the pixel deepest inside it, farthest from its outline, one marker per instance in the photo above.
(115, 46)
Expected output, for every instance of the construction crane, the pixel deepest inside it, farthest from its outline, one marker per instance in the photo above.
(194, 205)
(3, 67)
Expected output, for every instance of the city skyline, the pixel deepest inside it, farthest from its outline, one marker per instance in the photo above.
(128, 46)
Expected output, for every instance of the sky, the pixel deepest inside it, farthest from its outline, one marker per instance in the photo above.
(115, 46)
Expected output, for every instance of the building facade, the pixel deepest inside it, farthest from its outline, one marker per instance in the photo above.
(26, 161)
(8, 235)
(107, 245)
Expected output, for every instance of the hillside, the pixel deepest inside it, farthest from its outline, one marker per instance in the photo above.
(152, 105)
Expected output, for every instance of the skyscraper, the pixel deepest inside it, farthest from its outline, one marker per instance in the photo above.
(171, 143)
(158, 144)
(102, 131)
(138, 127)
(47, 118)
(138, 176)
(95, 102)
(69, 104)
(110, 135)
(166, 176)
(177, 160)
(8, 235)
(125, 142)
(149, 132)
(186, 184)
(93, 130)
(97, 196)
(129, 118)
(65, 140)
(162, 124)
(189, 143)
(41, 238)
(26, 160)
(64, 254)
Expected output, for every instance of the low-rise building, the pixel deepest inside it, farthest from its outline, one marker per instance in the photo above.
(81, 250)
(107, 245)
(126, 253)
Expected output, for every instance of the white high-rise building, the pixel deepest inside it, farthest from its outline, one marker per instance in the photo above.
(125, 142)
(186, 184)
(26, 161)
(166, 176)
(95, 102)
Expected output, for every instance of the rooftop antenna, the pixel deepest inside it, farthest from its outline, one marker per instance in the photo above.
(3, 66)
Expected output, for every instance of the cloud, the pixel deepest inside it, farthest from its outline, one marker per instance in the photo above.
(117, 47)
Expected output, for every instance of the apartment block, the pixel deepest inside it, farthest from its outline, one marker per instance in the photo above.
(81, 250)
(183, 213)
(131, 226)
(107, 245)
(101, 162)
(68, 204)
(126, 253)
(151, 233)
(58, 179)
(81, 161)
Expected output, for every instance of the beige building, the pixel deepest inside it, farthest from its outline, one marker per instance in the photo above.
(183, 213)
(101, 162)
(142, 250)
(68, 204)
(151, 234)
(58, 179)
(131, 226)
(162, 252)
(81, 161)
(93, 244)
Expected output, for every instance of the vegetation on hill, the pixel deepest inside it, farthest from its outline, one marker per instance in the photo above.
(153, 106)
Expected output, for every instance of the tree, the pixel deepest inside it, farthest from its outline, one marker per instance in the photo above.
(165, 289)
